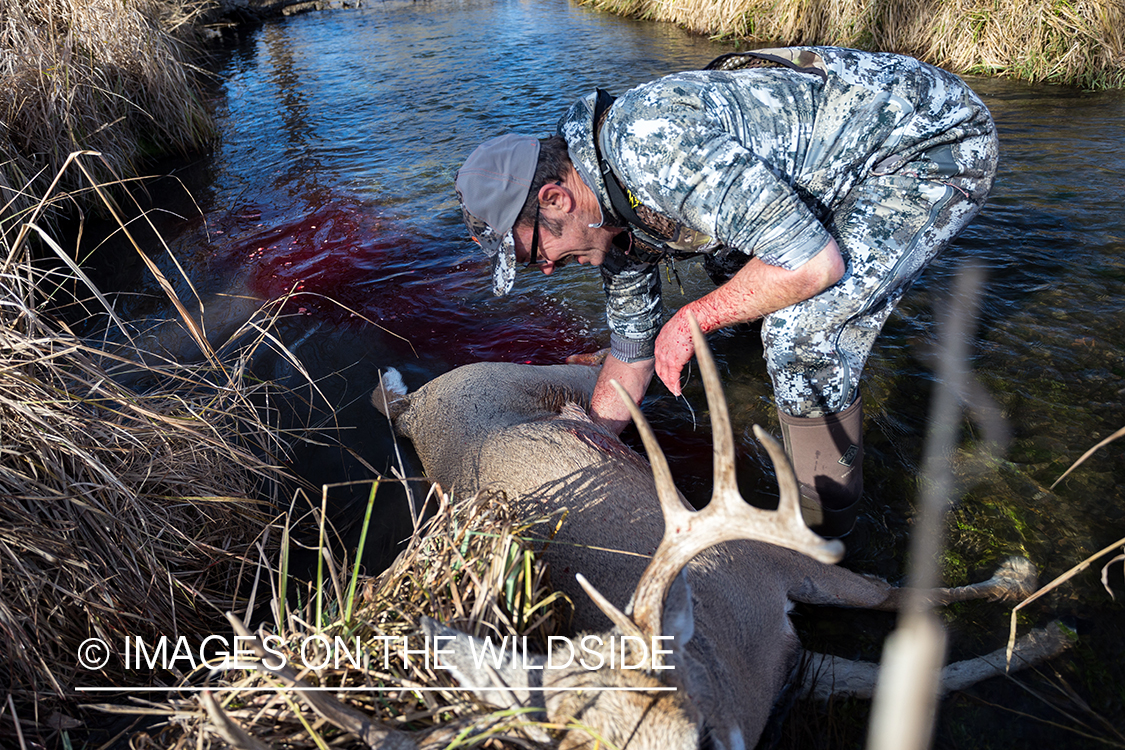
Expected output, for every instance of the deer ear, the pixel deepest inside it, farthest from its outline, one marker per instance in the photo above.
(679, 618)
(498, 671)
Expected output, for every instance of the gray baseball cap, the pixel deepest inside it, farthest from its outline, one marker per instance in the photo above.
(492, 186)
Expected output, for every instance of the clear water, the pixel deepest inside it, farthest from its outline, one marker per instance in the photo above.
(340, 135)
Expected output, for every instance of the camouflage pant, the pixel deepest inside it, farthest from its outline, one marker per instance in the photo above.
(888, 230)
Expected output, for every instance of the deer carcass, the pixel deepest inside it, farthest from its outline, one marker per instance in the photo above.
(713, 588)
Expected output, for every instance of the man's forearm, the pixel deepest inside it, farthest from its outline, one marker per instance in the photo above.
(606, 407)
(759, 289)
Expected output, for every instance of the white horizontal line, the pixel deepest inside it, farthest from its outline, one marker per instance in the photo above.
(312, 689)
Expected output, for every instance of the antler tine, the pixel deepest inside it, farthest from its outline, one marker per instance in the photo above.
(785, 527)
(670, 503)
(789, 492)
(619, 618)
(728, 517)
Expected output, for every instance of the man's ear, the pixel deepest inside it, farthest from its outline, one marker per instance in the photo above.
(560, 197)
(498, 671)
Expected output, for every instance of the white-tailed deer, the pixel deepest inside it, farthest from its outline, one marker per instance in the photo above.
(715, 595)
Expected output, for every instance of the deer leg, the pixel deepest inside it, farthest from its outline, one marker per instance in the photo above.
(1016, 578)
(829, 676)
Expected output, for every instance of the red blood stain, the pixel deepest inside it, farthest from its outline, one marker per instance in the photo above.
(341, 261)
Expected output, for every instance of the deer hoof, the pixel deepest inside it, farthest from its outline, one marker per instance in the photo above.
(1016, 578)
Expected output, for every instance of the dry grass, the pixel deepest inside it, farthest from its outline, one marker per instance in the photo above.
(472, 565)
(1078, 43)
(102, 75)
(122, 513)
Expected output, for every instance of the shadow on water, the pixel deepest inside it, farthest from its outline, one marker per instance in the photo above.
(331, 188)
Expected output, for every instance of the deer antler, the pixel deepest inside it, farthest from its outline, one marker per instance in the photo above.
(616, 616)
(728, 516)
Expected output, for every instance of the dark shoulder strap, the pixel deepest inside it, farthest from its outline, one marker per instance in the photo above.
(800, 60)
(622, 202)
(617, 196)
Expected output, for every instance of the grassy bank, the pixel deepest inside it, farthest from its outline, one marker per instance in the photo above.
(1075, 43)
(135, 492)
(101, 75)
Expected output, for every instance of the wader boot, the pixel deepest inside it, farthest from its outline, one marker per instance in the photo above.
(827, 456)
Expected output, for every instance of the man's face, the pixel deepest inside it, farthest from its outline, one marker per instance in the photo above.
(578, 241)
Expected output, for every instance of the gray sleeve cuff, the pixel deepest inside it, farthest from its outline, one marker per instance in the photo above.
(798, 246)
(629, 351)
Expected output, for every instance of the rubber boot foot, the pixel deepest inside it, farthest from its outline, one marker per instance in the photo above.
(830, 523)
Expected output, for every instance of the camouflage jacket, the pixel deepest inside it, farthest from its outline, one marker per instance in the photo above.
(757, 159)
